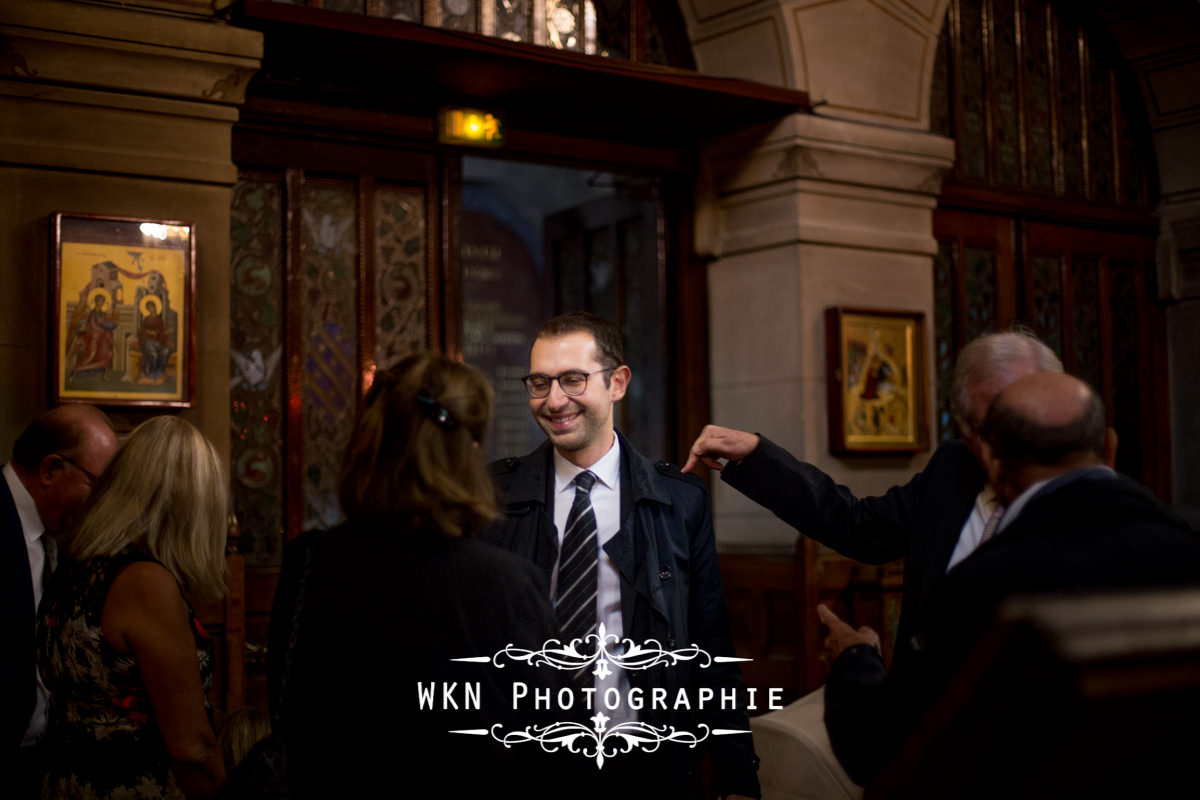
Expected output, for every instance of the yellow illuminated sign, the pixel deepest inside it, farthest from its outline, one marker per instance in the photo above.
(471, 127)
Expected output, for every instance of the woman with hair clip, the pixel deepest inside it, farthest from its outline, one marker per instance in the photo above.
(369, 616)
(127, 663)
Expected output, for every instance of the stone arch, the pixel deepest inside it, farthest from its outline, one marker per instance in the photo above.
(866, 60)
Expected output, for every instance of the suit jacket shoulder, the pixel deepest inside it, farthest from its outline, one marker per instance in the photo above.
(670, 470)
(18, 689)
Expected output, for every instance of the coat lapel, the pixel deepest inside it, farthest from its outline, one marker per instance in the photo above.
(634, 549)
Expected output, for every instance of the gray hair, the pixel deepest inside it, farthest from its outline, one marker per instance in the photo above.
(991, 356)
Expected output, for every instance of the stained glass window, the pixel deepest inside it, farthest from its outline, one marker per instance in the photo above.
(1047, 301)
(333, 344)
(399, 274)
(1037, 101)
(329, 355)
(1127, 385)
(1085, 313)
(944, 346)
(625, 29)
(256, 373)
(979, 278)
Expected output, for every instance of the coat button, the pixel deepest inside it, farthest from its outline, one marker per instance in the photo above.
(665, 573)
(671, 641)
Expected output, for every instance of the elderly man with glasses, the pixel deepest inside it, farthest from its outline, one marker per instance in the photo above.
(55, 460)
(626, 546)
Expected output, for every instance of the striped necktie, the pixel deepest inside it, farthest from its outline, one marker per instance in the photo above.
(993, 522)
(575, 605)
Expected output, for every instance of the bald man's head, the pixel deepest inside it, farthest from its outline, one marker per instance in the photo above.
(1041, 425)
(58, 456)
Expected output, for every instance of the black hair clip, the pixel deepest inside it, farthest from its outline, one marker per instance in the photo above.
(436, 411)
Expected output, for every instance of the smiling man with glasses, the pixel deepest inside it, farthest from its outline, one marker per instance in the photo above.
(54, 463)
(625, 543)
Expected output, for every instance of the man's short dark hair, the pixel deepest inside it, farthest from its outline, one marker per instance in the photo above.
(1019, 441)
(609, 345)
(58, 430)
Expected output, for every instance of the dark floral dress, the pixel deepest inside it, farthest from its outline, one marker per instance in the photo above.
(102, 736)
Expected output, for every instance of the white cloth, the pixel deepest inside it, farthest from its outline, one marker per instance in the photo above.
(34, 529)
(971, 535)
(606, 504)
(797, 761)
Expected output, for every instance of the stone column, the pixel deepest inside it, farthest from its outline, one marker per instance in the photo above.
(108, 110)
(818, 212)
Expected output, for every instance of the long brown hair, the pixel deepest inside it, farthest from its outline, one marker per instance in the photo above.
(414, 460)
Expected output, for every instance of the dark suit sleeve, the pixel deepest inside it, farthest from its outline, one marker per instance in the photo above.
(874, 530)
(734, 764)
(857, 708)
(18, 684)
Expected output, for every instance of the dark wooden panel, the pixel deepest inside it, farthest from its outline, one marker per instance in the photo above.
(772, 604)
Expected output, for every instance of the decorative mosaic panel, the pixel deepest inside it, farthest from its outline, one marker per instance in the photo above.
(1085, 296)
(256, 366)
(400, 249)
(1039, 142)
(1070, 119)
(1047, 301)
(1004, 90)
(1122, 276)
(972, 146)
(329, 279)
(979, 279)
(944, 349)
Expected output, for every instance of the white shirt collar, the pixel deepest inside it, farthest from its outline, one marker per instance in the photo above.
(31, 520)
(1015, 507)
(607, 469)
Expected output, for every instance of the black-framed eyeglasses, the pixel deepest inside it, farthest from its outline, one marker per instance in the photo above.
(87, 473)
(573, 383)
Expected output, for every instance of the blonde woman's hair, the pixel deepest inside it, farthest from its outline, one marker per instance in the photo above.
(414, 460)
(165, 493)
(242, 729)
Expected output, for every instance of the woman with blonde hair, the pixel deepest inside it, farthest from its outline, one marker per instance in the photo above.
(390, 598)
(126, 661)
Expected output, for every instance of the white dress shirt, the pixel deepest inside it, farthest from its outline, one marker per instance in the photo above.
(971, 535)
(606, 504)
(34, 530)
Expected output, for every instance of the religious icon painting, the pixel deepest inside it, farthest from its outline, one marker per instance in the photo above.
(124, 330)
(876, 378)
